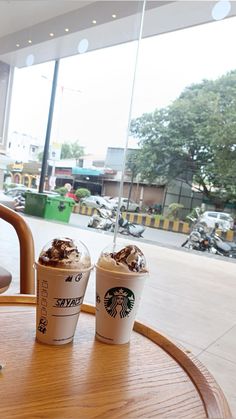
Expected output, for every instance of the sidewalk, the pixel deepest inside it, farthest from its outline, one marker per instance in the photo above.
(189, 297)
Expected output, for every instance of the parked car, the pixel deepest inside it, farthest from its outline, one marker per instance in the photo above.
(94, 201)
(18, 190)
(6, 200)
(54, 193)
(210, 218)
(124, 204)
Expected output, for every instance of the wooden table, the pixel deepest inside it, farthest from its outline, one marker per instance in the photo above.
(150, 377)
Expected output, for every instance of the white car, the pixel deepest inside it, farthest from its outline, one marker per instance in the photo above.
(124, 204)
(210, 218)
(94, 201)
(18, 191)
(8, 201)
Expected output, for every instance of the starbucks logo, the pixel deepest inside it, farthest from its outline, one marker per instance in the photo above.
(119, 301)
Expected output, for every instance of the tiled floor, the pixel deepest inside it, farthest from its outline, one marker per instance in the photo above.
(189, 297)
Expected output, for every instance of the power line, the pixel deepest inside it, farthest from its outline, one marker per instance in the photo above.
(61, 86)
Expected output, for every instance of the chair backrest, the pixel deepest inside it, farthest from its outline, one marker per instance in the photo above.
(27, 275)
(5, 279)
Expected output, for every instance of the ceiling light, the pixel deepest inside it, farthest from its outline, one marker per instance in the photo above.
(29, 60)
(83, 46)
(17, 45)
(114, 16)
(29, 41)
(51, 34)
(221, 9)
(66, 30)
(94, 22)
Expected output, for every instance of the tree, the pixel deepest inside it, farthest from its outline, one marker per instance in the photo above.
(82, 193)
(77, 151)
(174, 210)
(62, 190)
(131, 164)
(68, 151)
(40, 156)
(72, 151)
(194, 139)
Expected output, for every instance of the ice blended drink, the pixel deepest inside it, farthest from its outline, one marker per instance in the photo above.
(63, 271)
(120, 278)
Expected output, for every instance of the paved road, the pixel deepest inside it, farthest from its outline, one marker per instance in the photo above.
(153, 235)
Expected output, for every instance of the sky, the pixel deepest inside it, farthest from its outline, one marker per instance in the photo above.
(94, 89)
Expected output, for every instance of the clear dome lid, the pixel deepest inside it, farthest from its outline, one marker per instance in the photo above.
(65, 253)
(123, 257)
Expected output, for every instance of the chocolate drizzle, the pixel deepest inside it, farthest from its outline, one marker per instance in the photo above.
(132, 257)
(62, 252)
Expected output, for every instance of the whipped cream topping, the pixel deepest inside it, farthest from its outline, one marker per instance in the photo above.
(128, 259)
(63, 253)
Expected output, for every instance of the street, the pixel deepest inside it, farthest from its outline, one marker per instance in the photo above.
(152, 235)
(164, 238)
(167, 240)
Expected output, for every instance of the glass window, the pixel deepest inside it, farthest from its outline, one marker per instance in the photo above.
(224, 217)
(154, 104)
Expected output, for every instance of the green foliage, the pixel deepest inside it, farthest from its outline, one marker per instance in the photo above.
(40, 156)
(82, 193)
(132, 165)
(194, 139)
(174, 210)
(159, 217)
(62, 191)
(194, 214)
(132, 162)
(72, 151)
(68, 151)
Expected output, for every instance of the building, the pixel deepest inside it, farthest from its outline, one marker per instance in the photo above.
(86, 172)
(147, 194)
(23, 147)
(27, 174)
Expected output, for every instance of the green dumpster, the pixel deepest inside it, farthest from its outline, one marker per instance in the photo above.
(35, 203)
(48, 206)
(59, 208)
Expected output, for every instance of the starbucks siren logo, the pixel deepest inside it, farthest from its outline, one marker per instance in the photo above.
(119, 301)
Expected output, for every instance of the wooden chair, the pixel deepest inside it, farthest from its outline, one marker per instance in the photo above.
(27, 276)
(5, 280)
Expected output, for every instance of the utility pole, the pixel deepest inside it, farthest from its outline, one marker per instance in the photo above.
(49, 127)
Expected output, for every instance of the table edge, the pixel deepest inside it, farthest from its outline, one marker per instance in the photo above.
(213, 398)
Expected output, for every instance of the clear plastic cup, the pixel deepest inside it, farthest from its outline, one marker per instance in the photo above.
(118, 293)
(60, 293)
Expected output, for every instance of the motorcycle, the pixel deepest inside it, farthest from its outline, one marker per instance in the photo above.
(220, 247)
(125, 227)
(197, 240)
(106, 220)
(154, 209)
(103, 220)
(19, 204)
(200, 240)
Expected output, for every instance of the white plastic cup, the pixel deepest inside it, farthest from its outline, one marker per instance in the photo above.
(117, 299)
(60, 294)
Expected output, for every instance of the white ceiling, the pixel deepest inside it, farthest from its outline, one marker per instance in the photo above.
(16, 15)
(24, 20)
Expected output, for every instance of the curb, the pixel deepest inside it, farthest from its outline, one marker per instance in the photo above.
(153, 222)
